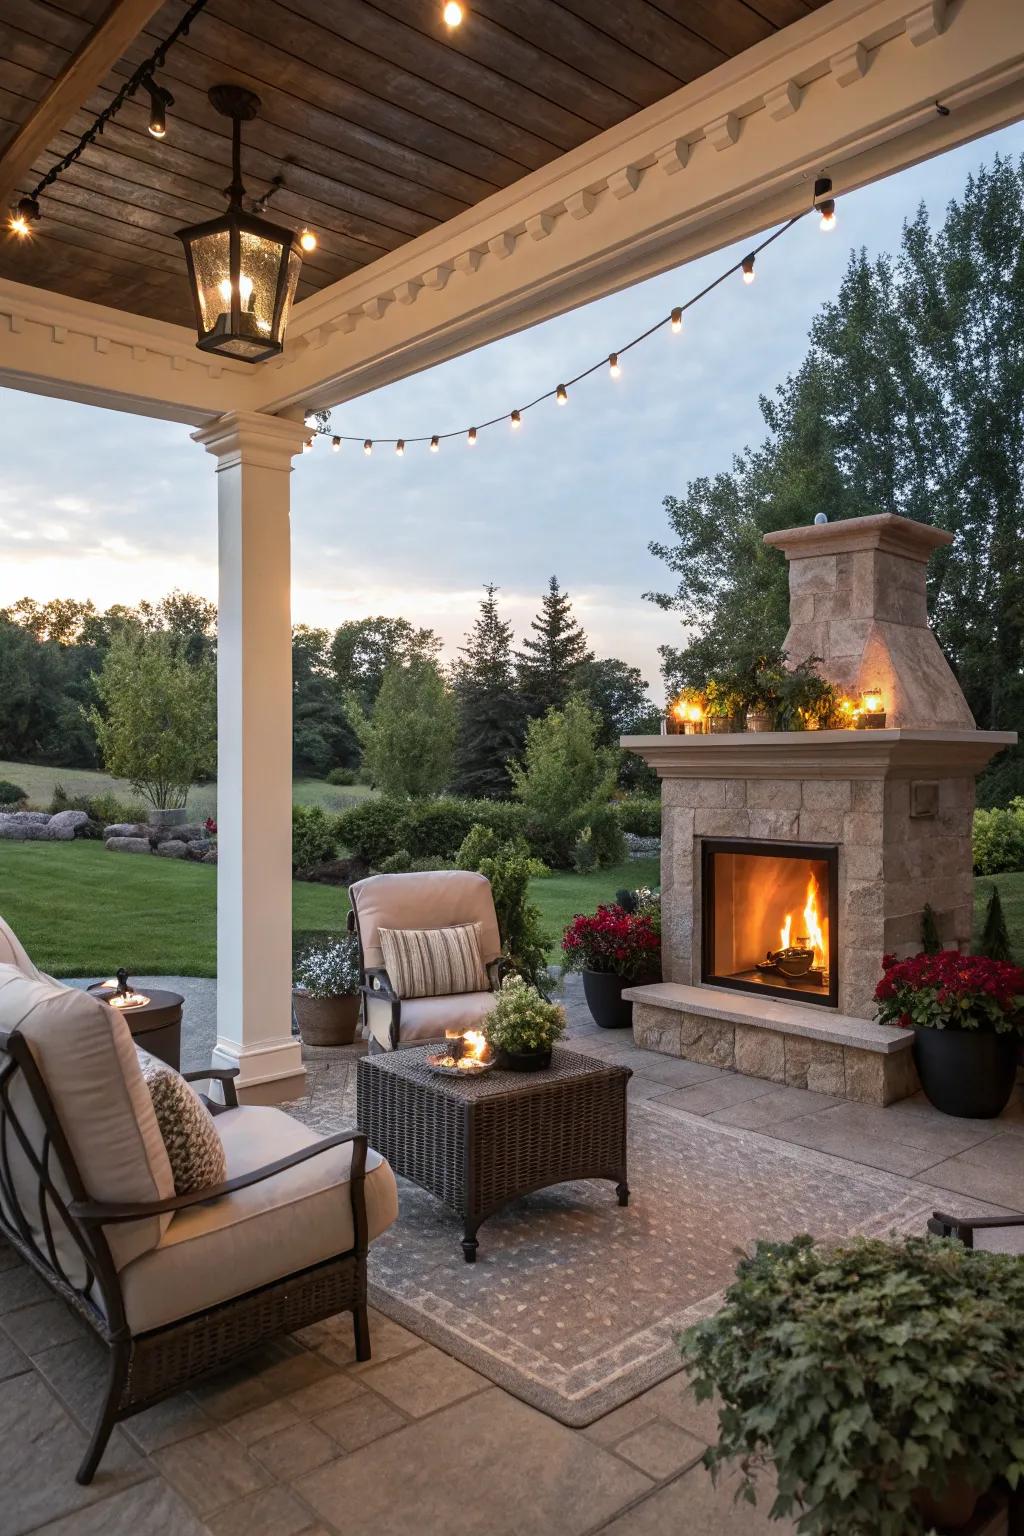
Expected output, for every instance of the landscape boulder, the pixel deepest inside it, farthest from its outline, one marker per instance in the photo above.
(23, 826)
(172, 848)
(199, 847)
(62, 827)
(211, 857)
(193, 833)
(127, 844)
(126, 829)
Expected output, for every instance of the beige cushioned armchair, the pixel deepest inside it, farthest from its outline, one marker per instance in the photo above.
(177, 1287)
(438, 899)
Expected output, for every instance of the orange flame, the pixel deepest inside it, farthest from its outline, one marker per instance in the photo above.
(815, 927)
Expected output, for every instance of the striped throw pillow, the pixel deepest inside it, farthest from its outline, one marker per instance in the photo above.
(434, 962)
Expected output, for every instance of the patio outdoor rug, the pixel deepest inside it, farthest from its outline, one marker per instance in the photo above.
(574, 1303)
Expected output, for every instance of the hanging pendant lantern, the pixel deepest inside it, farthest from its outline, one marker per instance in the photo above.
(243, 270)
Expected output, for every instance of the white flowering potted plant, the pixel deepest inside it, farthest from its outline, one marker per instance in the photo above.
(325, 992)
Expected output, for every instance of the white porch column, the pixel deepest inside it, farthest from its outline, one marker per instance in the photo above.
(254, 751)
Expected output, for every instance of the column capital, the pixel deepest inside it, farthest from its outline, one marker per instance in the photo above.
(251, 437)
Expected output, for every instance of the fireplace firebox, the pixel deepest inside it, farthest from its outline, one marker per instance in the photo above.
(770, 916)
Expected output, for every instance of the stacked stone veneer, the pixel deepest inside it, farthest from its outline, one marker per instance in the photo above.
(892, 859)
(896, 803)
(762, 1038)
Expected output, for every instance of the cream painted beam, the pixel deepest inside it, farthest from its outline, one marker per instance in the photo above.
(51, 344)
(849, 91)
(108, 42)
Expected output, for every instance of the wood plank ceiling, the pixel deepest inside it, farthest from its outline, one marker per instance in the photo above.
(382, 121)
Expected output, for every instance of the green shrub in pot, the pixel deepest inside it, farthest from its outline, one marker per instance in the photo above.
(523, 1026)
(875, 1380)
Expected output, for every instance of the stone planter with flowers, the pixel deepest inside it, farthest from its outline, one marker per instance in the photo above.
(614, 949)
(967, 1014)
(325, 994)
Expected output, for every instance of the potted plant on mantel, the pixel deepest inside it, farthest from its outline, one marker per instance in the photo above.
(612, 950)
(522, 1027)
(967, 1014)
(325, 994)
(880, 1382)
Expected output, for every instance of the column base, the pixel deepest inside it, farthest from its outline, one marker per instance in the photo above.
(268, 1074)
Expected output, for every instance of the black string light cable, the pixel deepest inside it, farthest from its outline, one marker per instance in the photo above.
(27, 212)
(318, 422)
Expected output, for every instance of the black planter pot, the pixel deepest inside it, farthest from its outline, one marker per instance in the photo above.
(966, 1072)
(524, 1061)
(603, 993)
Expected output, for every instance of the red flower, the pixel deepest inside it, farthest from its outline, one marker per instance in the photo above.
(210, 826)
(613, 941)
(949, 990)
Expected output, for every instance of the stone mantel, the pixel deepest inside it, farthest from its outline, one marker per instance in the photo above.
(871, 754)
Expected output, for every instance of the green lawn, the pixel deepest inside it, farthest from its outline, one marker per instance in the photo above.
(81, 911)
(38, 783)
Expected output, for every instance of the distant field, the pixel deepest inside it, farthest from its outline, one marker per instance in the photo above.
(38, 782)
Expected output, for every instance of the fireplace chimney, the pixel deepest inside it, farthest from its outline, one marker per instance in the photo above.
(857, 601)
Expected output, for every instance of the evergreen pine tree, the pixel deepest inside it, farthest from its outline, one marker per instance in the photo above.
(491, 724)
(548, 667)
(995, 938)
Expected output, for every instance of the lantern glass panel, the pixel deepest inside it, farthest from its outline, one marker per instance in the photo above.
(210, 256)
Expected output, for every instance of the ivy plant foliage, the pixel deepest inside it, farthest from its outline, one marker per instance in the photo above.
(861, 1373)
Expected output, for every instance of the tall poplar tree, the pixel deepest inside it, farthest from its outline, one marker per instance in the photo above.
(490, 717)
(549, 664)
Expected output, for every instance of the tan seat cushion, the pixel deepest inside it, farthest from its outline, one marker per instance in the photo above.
(214, 1251)
(84, 1052)
(438, 899)
(427, 1018)
(433, 962)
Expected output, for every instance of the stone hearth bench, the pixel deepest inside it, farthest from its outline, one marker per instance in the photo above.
(790, 1043)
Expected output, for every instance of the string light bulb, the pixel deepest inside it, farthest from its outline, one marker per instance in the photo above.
(400, 447)
(434, 443)
(677, 319)
(159, 101)
(452, 13)
(748, 269)
(23, 217)
(516, 421)
(471, 437)
(825, 203)
(613, 365)
(562, 395)
(336, 444)
(307, 239)
(368, 446)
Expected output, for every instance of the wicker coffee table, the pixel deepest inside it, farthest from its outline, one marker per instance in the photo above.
(478, 1143)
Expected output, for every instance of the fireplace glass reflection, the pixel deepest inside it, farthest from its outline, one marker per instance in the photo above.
(770, 912)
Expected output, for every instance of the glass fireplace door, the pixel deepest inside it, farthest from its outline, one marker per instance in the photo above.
(769, 913)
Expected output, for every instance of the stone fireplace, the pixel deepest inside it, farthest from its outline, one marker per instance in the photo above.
(792, 861)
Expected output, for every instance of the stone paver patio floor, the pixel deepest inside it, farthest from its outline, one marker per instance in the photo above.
(301, 1441)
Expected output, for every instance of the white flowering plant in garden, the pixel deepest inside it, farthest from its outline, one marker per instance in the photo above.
(332, 970)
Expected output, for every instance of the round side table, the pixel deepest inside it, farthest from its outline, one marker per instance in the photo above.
(156, 1026)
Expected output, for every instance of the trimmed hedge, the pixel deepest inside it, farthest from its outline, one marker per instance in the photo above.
(379, 828)
(999, 838)
(640, 815)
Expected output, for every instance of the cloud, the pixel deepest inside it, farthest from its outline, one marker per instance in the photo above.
(577, 492)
